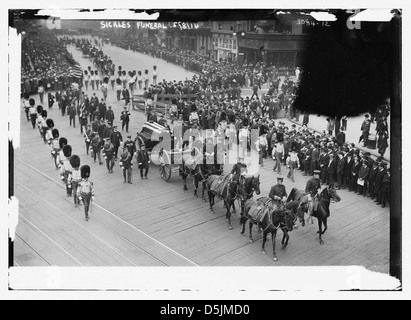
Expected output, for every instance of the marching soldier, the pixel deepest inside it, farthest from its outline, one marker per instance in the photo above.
(110, 116)
(130, 146)
(55, 146)
(60, 156)
(126, 164)
(85, 189)
(108, 154)
(66, 169)
(74, 177)
(278, 193)
(96, 147)
(88, 135)
(116, 139)
(143, 161)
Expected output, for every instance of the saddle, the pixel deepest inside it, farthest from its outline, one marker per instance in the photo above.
(258, 210)
(218, 184)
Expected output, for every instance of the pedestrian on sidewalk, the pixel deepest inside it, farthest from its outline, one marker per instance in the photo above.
(330, 125)
(72, 114)
(85, 190)
(278, 154)
(33, 112)
(365, 128)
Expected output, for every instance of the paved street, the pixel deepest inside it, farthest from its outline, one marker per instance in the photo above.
(152, 222)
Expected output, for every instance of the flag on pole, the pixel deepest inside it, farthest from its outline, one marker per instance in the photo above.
(76, 71)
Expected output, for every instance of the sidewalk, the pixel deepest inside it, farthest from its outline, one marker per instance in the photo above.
(318, 124)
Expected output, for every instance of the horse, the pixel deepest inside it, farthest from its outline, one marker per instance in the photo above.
(322, 212)
(228, 191)
(272, 218)
(247, 189)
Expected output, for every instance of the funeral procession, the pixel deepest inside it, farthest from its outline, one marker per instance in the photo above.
(182, 144)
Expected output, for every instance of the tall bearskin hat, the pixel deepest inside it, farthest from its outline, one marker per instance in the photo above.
(50, 123)
(85, 72)
(62, 142)
(44, 113)
(39, 109)
(245, 122)
(55, 133)
(75, 161)
(32, 102)
(85, 171)
(193, 107)
(67, 151)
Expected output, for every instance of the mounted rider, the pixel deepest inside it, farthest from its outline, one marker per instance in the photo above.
(278, 193)
(239, 170)
(312, 187)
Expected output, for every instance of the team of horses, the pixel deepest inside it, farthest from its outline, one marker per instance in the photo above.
(268, 215)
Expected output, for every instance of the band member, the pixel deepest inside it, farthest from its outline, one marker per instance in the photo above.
(74, 176)
(66, 169)
(55, 146)
(85, 190)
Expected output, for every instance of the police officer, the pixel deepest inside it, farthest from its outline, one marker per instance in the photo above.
(278, 193)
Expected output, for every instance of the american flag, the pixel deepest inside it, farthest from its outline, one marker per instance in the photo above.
(76, 71)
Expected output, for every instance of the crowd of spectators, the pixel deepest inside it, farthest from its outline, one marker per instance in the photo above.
(45, 62)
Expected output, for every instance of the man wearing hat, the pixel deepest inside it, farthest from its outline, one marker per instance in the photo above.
(278, 193)
(85, 189)
(239, 169)
(363, 174)
(371, 179)
(74, 176)
(108, 154)
(109, 116)
(127, 165)
(130, 145)
(116, 139)
(365, 128)
(312, 187)
(379, 180)
(125, 119)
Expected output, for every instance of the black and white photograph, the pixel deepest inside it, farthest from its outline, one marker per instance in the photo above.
(208, 153)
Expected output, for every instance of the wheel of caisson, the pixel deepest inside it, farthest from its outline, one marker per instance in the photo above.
(165, 172)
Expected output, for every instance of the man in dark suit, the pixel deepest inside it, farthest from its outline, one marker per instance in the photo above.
(379, 180)
(371, 180)
(363, 174)
(324, 160)
(340, 170)
(348, 163)
(331, 169)
(365, 128)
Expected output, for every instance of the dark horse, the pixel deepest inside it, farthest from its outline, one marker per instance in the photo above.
(322, 212)
(271, 219)
(200, 174)
(230, 191)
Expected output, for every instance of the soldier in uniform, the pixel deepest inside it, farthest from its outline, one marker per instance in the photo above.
(74, 176)
(116, 139)
(55, 148)
(143, 161)
(108, 154)
(127, 165)
(278, 193)
(125, 119)
(239, 169)
(312, 187)
(85, 189)
(130, 145)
